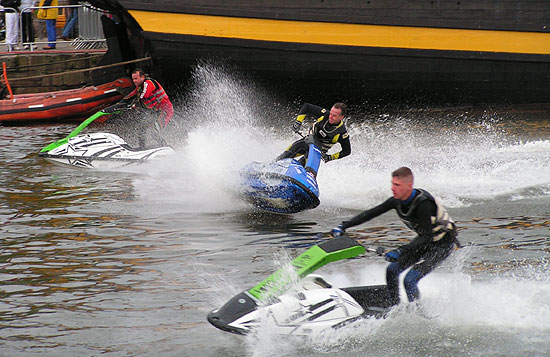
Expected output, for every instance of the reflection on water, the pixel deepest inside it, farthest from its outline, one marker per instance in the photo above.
(70, 255)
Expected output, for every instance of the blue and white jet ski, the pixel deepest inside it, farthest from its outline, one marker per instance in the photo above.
(284, 186)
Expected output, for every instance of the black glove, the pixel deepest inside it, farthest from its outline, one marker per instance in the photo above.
(117, 107)
(296, 126)
(325, 157)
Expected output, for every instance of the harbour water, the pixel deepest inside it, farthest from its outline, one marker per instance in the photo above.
(129, 262)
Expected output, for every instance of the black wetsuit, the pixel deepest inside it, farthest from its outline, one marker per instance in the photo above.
(434, 243)
(325, 135)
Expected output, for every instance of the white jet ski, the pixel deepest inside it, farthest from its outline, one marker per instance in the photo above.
(311, 306)
(101, 150)
(98, 150)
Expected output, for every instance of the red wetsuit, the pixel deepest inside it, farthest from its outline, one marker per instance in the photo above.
(152, 96)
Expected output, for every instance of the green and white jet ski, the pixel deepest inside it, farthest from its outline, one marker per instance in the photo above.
(98, 150)
(309, 307)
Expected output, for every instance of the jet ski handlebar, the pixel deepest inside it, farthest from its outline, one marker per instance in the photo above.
(379, 251)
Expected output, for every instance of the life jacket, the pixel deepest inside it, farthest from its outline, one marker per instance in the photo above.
(326, 133)
(442, 223)
(154, 100)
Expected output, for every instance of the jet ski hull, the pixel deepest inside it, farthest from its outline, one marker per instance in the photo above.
(266, 188)
(101, 150)
(313, 307)
(284, 186)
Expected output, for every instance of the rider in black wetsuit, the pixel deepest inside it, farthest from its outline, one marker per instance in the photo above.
(424, 214)
(328, 130)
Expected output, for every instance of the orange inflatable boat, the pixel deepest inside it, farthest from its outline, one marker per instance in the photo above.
(64, 104)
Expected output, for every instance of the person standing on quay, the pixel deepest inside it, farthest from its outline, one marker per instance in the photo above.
(68, 30)
(12, 22)
(50, 15)
(27, 29)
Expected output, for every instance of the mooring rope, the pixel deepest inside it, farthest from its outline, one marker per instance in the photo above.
(82, 70)
(14, 69)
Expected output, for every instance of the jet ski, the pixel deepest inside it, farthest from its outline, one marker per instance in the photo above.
(284, 186)
(308, 307)
(98, 150)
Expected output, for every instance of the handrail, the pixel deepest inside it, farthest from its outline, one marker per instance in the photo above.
(9, 8)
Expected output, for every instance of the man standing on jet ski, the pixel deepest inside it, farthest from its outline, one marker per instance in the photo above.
(424, 214)
(328, 130)
(150, 95)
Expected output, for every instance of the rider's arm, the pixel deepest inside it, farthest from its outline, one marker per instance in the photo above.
(346, 147)
(130, 96)
(367, 215)
(310, 109)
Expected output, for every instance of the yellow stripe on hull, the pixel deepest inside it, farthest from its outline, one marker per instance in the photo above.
(344, 34)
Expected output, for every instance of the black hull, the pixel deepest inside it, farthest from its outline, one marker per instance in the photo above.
(388, 69)
(509, 15)
(366, 73)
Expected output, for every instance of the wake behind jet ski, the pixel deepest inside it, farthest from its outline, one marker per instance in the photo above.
(284, 186)
(311, 306)
(98, 150)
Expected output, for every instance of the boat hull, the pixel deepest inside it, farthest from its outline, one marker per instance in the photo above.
(378, 74)
(462, 50)
(65, 104)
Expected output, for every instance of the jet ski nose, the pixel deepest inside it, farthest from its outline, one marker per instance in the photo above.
(232, 316)
(215, 319)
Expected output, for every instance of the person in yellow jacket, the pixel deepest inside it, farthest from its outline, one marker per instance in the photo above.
(50, 15)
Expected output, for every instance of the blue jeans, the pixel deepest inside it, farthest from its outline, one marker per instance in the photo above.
(69, 26)
(50, 29)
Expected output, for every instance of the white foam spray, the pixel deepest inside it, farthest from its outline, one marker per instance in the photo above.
(453, 303)
(226, 125)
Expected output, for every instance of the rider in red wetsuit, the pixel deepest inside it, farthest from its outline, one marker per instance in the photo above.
(149, 95)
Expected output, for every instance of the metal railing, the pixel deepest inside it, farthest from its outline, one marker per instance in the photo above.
(90, 30)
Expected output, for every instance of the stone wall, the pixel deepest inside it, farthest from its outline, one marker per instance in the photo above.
(40, 65)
